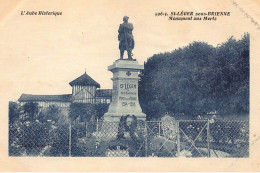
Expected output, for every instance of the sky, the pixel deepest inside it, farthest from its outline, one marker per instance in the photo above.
(42, 54)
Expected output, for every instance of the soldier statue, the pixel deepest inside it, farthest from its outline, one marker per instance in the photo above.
(126, 38)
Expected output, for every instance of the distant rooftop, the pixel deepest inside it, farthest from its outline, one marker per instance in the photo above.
(31, 97)
(84, 80)
(104, 93)
(61, 98)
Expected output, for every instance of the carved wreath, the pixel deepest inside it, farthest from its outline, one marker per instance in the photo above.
(125, 126)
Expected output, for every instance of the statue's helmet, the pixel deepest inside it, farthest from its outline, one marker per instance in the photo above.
(125, 18)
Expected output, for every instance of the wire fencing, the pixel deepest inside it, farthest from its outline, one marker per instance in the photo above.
(183, 138)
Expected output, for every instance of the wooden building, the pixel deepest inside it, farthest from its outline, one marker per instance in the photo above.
(84, 90)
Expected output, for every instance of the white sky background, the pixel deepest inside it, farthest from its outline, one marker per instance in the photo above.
(42, 54)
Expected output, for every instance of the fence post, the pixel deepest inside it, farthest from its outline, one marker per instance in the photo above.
(69, 138)
(97, 125)
(178, 139)
(208, 137)
(86, 128)
(159, 128)
(146, 136)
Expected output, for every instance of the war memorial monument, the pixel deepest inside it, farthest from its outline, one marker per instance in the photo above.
(125, 78)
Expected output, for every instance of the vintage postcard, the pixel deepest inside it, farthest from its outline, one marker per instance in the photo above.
(134, 85)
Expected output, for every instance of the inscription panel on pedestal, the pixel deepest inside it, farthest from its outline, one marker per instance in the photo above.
(128, 94)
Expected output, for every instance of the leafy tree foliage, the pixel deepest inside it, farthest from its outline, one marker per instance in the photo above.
(198, 78)
(154, 109)
(31, 110)
(14, 111)
(31, 133)
(83, 110)
(52, 113)
(101, 109)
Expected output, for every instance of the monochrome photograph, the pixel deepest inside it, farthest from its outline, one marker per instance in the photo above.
(127, 80)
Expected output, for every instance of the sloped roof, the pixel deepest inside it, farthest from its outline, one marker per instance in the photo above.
(104, 93)
(84, 80)
(31, 97)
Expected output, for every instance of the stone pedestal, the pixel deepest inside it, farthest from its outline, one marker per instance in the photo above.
(125, 90)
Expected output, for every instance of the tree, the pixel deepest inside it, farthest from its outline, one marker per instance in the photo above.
(101, 109)
(85, 112)
(14, 111)
(52, 113)
(82, 110)
(198, 78)
(233, 70)
(154, 109)
(31, 110)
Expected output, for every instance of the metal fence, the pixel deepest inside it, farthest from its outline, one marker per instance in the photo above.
(203, 138)
(184, 138)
